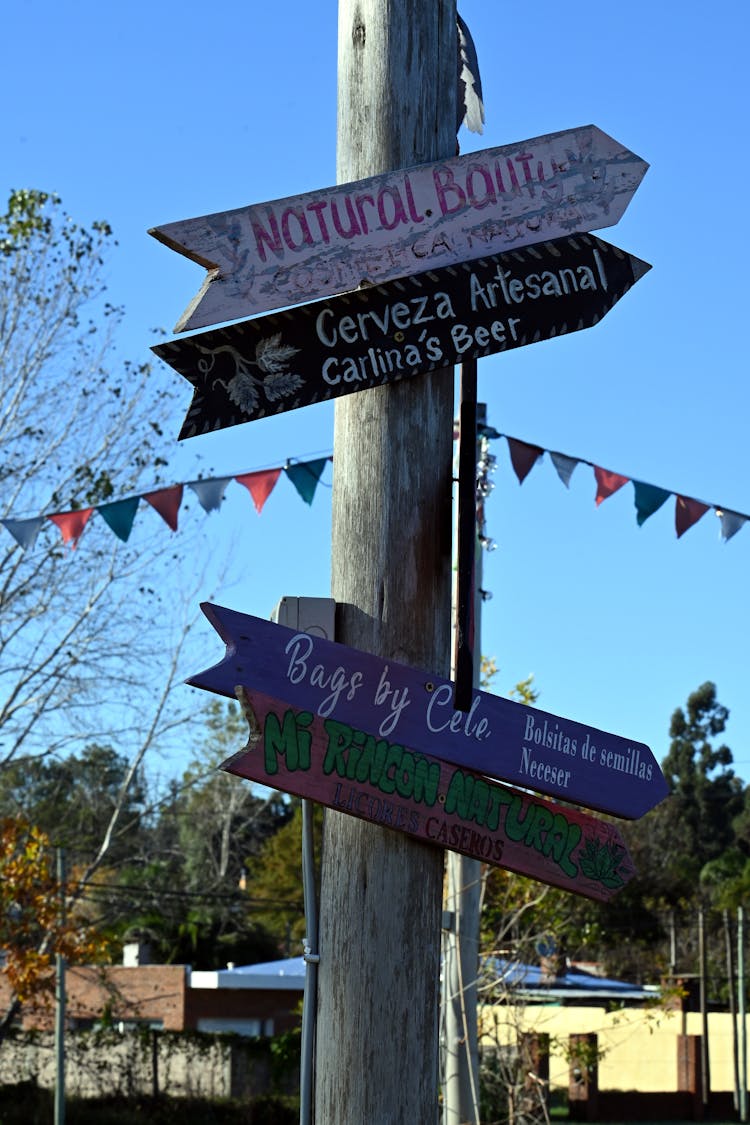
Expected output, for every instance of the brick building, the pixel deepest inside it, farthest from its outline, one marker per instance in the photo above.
(251, 1000)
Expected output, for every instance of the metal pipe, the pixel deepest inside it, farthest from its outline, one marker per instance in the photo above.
(59, 1106)
(310, 1001)
(705, 1075)
(741, 1009)
(732, 1007)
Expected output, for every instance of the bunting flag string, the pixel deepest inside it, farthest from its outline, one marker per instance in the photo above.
(305, 476)
(648, 497)
(119, 515)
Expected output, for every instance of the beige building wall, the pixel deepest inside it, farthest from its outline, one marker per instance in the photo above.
(639, 1045)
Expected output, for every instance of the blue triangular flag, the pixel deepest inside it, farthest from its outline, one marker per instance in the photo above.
(210, 493)
(24, 531)
(564, 466)
(731, 522)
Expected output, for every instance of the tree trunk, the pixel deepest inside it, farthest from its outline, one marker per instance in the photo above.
(377, 1049)
(6, 1021)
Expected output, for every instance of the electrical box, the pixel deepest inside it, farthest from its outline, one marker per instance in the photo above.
(316, 616)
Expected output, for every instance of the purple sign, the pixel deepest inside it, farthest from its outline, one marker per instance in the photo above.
(495, 737)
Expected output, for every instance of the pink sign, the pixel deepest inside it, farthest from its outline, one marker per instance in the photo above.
(298, 249)
(382, 781)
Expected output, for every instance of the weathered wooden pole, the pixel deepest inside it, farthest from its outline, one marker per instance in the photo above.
(377, 1048)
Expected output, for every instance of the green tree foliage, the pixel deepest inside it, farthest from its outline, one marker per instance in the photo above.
(691, 850)
(223, 820)
(274, 881)
(693, 829)
(684, 852)
(175, 864)
(705, 797)
(72, 800)
(187, 893)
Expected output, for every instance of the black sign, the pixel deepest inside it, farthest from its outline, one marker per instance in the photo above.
(381, 334)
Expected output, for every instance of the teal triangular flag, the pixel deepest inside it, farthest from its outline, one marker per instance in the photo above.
(648, 499)
(305, 476)
(119, 515)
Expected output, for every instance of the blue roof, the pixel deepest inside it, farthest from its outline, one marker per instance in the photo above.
(287, 967)
(571, 983)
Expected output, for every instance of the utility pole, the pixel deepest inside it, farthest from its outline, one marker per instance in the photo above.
(381, 892)
(741, 1006)
(705, 1057)
(463, 895)
(59, 1103)
(732, 1005)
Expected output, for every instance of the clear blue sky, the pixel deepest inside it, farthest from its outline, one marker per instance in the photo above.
(148, 113)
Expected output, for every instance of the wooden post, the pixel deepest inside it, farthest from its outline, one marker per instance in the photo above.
(583, 1077)
(376, 1042)
(689, 1071)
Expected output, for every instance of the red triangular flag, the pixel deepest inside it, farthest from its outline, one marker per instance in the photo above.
(259, 485)
(523, 457)
(71, 524)
(607, 483)
(166, 501)
(687, 512)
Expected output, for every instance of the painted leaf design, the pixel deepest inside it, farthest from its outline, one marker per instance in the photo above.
(601, 862)
(243, 392)
(272, 356)
(279, 386)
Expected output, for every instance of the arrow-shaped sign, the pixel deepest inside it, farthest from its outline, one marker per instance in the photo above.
(378, 335)
(297, 249)
(496, 737)
(349, 770)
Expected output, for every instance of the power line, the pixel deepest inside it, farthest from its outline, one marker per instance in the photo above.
(123, 890)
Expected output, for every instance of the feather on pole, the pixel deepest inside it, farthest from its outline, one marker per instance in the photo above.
(469, 103)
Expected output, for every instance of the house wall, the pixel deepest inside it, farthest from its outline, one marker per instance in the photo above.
(265, 1004)
(159, 994)
(144, 993)
(639, 1045)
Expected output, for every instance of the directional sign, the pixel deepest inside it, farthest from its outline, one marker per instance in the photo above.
(382, 781)
(496, 737)
(307, 246)
(379, 335)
